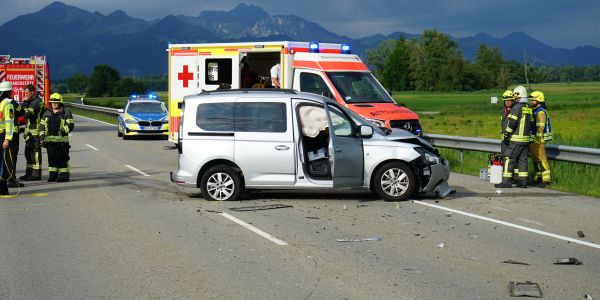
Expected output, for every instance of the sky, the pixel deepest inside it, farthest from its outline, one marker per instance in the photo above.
(557, 23)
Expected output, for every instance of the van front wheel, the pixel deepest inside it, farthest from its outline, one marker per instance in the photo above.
(221, 183)
(395, 181)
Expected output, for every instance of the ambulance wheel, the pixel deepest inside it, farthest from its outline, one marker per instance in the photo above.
(221, 183)
(394, 181)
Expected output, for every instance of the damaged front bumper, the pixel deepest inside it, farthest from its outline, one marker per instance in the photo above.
(434, 176)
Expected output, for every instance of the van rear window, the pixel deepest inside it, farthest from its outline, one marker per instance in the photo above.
(244, 117)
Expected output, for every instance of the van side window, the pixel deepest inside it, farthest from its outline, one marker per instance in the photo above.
(260, 117)
(215, 116)
(313, 83)
(218, 71)
(342, 125)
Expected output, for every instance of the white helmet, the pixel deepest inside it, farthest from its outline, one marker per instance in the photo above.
(5, 86)
(520, 93)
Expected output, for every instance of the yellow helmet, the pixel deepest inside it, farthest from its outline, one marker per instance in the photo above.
(56, 97)
(538, 96)
(508, 96)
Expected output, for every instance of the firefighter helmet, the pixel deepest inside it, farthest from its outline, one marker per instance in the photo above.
(5, 86)
(56, 97)
(538, 96)
(508, 95)
(520, 93)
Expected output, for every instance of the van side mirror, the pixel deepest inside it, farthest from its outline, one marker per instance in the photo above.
(366, 131)
(120, 110)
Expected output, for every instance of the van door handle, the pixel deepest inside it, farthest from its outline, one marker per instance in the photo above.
(282, 147)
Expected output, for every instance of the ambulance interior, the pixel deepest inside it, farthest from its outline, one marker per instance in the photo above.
(255, 69)
(315, 142)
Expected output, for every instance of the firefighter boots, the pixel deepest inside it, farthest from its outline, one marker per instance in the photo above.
(63, 177)
(28, 172)
(53, 176)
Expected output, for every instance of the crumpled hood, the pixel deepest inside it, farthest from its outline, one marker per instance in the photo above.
(383, 111)
(407, 137)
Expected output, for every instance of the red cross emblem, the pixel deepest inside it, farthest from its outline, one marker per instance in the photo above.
(185, 75)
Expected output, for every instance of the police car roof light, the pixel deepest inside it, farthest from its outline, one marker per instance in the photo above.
(313, 47)
(345, 49)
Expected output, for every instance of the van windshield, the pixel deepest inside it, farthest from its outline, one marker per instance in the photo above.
(359, 87)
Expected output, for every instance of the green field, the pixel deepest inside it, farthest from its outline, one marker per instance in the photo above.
(574, 111)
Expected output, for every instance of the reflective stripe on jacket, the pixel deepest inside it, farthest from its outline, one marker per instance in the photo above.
(7, 116)
(519, 123)
(55, 127)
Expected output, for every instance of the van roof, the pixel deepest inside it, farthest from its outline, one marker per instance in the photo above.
(267, 93)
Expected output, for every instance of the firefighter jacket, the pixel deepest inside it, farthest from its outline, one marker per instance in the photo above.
(518, 123)
(55, 126)
(34, 109)
(7, 117)
(504, 119)
(19, 113)
(541, 129)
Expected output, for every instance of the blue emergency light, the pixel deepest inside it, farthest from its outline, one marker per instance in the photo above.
(133, 96)
(313, 47)
(345, 49)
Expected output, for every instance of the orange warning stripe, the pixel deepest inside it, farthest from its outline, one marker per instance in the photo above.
(331, 65)
(184, 52)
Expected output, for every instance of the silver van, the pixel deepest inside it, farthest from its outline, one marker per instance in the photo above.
(232, 140)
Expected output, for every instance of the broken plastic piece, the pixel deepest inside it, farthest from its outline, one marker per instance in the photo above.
(312, 217)
(441, 245)
(580, 234)
(566, 261)
(214, 211)
(525, 289)
(372, 239)
(260, 207)
(587, 297)
(514, 262)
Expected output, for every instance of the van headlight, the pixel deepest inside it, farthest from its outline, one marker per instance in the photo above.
(429, 157)
(376, 122)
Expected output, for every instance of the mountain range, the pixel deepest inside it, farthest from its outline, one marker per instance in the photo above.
(75, 40)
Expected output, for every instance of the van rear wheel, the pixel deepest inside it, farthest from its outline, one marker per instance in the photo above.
(221, 183)
(395, 181)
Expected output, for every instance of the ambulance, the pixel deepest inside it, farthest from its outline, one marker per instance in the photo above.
(327, 69)
(23, 71)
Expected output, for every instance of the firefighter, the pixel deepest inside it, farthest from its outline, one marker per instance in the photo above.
(55, 125)
(7, 115)
(517, 136)
(542, 133)
(34, 108)
(276, 76)
(508, 98)
(19, 119)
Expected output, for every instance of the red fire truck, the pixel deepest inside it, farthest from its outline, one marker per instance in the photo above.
(23, 71)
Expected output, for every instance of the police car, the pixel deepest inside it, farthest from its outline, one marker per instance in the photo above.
(143, 115)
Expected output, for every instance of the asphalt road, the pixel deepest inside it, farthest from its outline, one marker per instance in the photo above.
(121, 230)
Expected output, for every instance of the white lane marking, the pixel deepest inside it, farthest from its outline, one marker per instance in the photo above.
(500, 208)
(93, 148)
(560, 237)
(254, 229)
(133, 168)
(532, 222)
(97, 120)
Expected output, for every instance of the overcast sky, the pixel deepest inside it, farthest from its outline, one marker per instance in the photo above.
(558, 23)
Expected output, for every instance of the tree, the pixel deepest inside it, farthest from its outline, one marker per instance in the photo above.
(127, 86)
(377, 57)
(102, 82)
(77, 83)
(396, 72)
(492, 67)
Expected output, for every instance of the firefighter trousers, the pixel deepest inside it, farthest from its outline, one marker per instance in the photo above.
(33, 152)
(515, 162)
(12, 157)
(3, 168)
(540, 162)
(58, 159)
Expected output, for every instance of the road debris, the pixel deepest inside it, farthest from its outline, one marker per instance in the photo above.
(525, 289)
(449, 214)
(566, 261)
(514, 262)
(214, 211)
(371, 239)
(260, 207)
(498, 192)
(312, 217)
(580, 234)
(442, 245)
(587, 297)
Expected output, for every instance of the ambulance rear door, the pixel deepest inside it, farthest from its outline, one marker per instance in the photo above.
(219, 69)
(183, 81)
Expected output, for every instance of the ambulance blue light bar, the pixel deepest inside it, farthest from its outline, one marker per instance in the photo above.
(313, 47)
(345, 49)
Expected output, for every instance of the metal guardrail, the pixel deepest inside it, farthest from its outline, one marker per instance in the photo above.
(556, 152)
(99, 109)
(582, 155)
